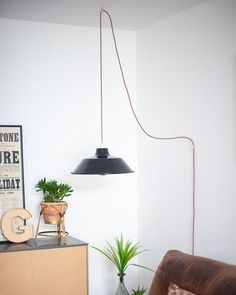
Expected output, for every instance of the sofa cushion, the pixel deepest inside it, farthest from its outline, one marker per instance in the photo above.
(176, 290)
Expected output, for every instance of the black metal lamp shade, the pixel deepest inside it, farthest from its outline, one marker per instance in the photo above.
(102, 163)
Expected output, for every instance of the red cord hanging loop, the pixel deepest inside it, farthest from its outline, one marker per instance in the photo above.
(139, 123)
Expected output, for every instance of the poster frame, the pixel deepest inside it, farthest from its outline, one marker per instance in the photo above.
(18, 147)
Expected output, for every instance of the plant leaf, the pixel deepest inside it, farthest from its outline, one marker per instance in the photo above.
(122, 253)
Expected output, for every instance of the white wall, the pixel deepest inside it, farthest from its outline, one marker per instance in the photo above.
(186, 74)
(50, 85)
(186, 86)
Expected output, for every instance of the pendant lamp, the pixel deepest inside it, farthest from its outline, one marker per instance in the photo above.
(102, 162)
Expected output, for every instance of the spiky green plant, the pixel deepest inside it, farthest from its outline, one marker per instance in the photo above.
(122, 253)
(139, 291)
(52, 190)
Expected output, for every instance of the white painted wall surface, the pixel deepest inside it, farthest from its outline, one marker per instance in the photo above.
(50, 85)
(186, 77)
(186, 74)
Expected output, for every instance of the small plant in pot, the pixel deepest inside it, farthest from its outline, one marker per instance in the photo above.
(139, 291)
(53, 207)
(121, 255)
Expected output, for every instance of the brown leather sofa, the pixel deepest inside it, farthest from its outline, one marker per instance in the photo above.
(198, 275)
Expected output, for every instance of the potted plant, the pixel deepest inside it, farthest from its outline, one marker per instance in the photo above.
(121, 255)
(139, 291)
(53, 207)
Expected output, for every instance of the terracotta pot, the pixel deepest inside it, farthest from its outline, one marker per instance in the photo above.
(53, 211)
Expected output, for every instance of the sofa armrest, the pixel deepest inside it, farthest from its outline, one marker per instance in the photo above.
(199, 275)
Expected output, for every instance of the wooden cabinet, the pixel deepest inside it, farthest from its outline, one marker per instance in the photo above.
(45, 266)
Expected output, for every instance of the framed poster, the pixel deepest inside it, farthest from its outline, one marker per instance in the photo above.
(11, 170)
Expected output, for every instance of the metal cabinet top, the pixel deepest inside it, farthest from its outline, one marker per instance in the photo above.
(41, 243)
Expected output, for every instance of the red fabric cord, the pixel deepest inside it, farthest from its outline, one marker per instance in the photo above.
(138, 121)
(101, 78)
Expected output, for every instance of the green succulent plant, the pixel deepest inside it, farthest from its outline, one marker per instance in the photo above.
(139, 291)
(122, 253)
(52, 190)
